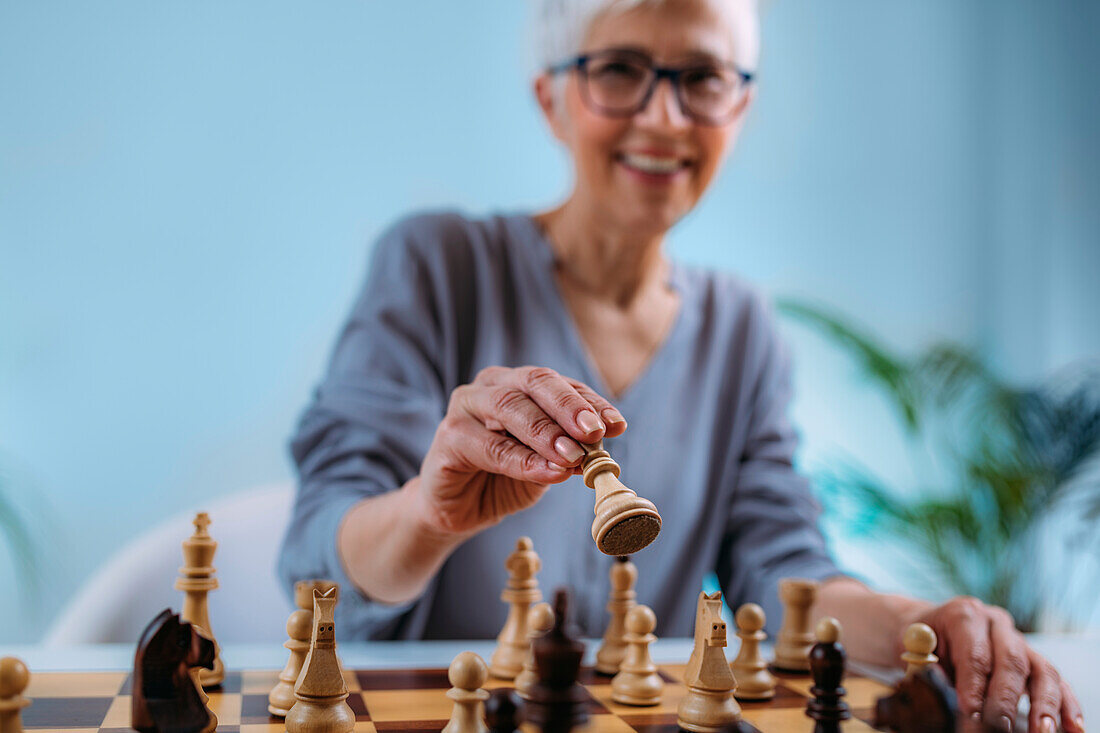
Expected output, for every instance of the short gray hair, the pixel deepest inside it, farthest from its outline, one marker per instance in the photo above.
(559, 26)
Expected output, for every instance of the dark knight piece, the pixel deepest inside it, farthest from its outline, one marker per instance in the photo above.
(166, 696)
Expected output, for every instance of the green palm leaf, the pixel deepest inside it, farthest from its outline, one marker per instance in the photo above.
(20, 542)
(877, 363)
(1013, 457)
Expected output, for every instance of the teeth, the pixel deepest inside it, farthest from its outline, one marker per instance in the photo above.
(651, 164)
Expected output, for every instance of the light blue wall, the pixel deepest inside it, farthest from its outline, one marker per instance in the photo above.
(188, 192)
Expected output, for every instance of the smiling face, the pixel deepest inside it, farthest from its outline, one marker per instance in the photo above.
(642, 173)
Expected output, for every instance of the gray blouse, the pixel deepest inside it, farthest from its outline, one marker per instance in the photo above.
(708, 438)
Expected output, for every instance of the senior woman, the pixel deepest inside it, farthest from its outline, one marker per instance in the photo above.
(481, 353)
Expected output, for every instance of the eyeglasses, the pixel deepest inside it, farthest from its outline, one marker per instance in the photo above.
(620, 83)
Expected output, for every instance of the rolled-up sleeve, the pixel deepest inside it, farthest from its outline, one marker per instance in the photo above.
(772, 531)
(369, 424)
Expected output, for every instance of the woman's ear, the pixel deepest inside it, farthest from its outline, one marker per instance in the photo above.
(750, 97)
(745, 104)
(741, 114)
(550, 101)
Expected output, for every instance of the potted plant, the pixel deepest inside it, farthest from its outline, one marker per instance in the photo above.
(1016, 470)
(15, 533)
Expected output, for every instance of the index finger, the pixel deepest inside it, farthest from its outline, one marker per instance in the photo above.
(562, 402)
(972, 657)
(1072, 719)
(610, 414)
(1011, 669)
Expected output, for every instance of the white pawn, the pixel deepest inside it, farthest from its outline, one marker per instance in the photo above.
(919, 641)
(299, 628)
(754, 681)
(638, 682)
(14, 678)
(467, 674)
(624, 574)
(540, 619)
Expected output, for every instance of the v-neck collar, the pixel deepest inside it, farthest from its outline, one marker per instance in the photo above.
(544, 263)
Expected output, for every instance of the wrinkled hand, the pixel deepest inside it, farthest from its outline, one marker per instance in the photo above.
(506, 436)
(993, 666)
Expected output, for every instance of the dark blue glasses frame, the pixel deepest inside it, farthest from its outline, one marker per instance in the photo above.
(580, 63)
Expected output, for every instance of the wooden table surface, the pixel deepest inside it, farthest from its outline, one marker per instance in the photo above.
(1076, 656)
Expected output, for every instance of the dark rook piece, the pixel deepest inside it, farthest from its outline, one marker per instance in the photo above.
(827, 660)
(556, 702)
(924, 702)
(166, 696)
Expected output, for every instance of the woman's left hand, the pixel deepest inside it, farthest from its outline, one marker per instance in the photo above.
(993, 666)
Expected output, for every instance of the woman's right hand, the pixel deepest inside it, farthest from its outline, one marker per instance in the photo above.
(506, 437)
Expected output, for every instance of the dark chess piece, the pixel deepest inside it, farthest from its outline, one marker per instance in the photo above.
(167, 697)
(556, 702)
(827, 660)
(503, 710)
(924, 702)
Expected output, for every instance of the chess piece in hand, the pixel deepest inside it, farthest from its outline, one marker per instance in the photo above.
(505, 438)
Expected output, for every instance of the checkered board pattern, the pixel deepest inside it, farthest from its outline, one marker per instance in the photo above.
(410, 701)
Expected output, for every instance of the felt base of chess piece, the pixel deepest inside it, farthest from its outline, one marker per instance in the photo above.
(503, 711)
(924, 702)
(166, 695)
(625, 522)
(626, 527)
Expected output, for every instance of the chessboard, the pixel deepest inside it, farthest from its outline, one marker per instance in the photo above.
(411, 701)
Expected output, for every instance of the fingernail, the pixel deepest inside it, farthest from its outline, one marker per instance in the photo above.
(589, 422)
(1004, 723)
(1047, 724)
(1080, 721)
(610, 415)
(568, 450)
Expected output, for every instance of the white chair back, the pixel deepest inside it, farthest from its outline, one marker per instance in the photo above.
(120, 599)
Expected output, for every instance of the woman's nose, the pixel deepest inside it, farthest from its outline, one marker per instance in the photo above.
(662, 109)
